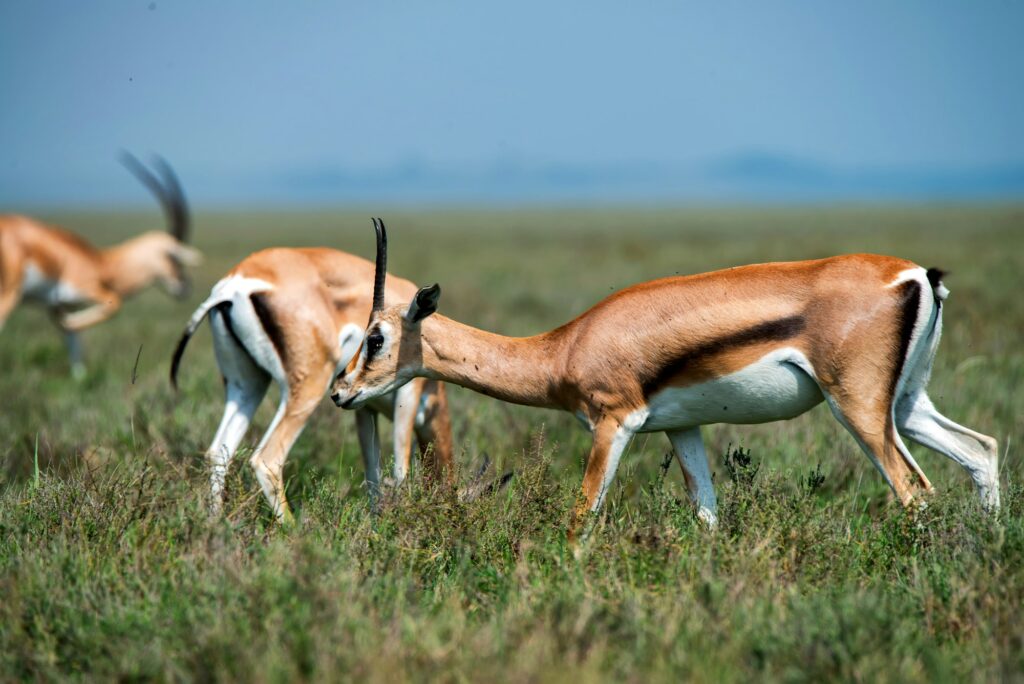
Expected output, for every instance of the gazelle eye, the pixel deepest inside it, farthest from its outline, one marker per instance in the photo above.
(373, 344)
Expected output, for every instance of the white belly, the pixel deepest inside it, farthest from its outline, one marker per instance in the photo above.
(37, 287)
(772, 388)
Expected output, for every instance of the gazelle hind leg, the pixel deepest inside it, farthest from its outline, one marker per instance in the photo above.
(865, 380)
(919, 420)
(978, 454)
(876, 434)
(245, 385)
(269, 458)
(689, 449)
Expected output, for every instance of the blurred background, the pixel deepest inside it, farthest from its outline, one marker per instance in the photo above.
(315, 103)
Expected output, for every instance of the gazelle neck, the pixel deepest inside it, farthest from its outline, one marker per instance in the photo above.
(520, 370)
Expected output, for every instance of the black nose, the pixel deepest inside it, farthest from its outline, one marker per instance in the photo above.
(336, 398)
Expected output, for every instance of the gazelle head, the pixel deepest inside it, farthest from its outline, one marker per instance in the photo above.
(391, 352)
(157, 255)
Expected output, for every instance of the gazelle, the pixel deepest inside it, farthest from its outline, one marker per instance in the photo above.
(297, 316)
(81, 285)
(750, 344)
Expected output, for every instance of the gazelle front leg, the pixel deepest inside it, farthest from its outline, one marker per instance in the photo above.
(97, 313)
(369, 444)
(268, 460)
(689, 448)
(610, 439)
(407, 402)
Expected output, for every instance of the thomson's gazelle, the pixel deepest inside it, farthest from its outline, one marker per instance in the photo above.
(297, 316)
(81, 285)
(750, 344)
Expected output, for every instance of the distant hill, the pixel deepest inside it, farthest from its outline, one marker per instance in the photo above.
(753, 177)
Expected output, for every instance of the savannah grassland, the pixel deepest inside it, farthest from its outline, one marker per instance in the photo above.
(110, 569)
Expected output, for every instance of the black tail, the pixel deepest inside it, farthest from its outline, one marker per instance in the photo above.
(176, 359)
(939, 290)
(193, 324)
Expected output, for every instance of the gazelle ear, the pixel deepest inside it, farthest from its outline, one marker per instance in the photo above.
(424, 303)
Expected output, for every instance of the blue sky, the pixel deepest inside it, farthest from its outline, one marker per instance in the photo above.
(259, 102)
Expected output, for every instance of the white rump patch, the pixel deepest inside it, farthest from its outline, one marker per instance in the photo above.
(918, 274)
(233, 286)
(238, 289)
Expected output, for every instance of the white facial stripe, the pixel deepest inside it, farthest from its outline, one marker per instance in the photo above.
(366, 392)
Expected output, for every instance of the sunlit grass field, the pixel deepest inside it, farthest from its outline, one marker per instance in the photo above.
(109, 567)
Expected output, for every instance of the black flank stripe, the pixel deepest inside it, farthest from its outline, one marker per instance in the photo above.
(770, 331)
(274, 331)
(910, 299)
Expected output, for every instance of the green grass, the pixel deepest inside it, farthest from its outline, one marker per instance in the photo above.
(110, 569)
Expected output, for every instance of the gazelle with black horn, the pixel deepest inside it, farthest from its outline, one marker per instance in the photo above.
(750, 344)
(297, 316)
(82, 285)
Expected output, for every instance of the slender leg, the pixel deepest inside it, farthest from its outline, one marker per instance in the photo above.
(241, 403)
(369, 444)
(97, 313)
(689, 448)
(978, 454)
(75, 356)
(269, 458)
(434, 432)
(407, 401)
(876, 434)
(610, 440)
(245, 385)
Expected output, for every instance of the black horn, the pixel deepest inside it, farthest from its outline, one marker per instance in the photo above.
(381, 270)
(167, 191)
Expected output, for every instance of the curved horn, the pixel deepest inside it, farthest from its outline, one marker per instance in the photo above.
(167, 191)
(381, 270)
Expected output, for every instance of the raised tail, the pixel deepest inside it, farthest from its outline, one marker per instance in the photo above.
(190, 330)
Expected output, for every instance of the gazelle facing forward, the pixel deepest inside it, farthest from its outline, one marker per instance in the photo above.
(81, 285)
(297, 316)
(751, 344)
